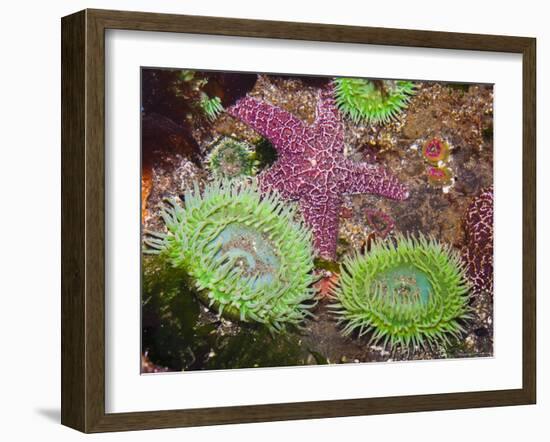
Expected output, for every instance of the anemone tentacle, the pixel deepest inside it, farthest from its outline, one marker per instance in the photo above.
(211, 106)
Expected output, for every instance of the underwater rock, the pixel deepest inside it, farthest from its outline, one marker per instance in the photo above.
(413, 293)
(311, 167)
(468, 183)
(304, 80)
(148, 367)
(176, 94)
(229, 86)
(161, 93)
(146, 187)
(161, 137)
(258, 348)
(160, 132)
(372, 101)
(477, 252)
(170, 176)
(192, 98)
(439, 109)
(223, 89)
(245, 253)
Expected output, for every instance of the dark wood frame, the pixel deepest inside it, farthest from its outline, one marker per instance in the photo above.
(83, 217)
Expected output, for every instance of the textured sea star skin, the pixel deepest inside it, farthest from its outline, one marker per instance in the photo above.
(311, 167)
(478, 250)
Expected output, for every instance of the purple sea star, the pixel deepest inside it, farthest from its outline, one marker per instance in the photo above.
(311, 167)
(477, 252)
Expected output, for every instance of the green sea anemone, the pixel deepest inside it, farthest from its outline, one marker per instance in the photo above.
(372, 101)
(230, 158)
(211, 106)
(245, 253)
(414, 292)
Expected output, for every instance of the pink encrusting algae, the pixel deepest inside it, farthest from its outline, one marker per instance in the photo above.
(311, 167)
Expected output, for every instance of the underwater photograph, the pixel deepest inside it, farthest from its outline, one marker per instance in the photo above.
(292, 220)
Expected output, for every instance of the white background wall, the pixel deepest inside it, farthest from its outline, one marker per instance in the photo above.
(30, 217)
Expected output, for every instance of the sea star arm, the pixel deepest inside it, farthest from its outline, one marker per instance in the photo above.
(371, 178)
(322, 217)
(328, 129)
(326, 110)
(283, 129)
(279, 178)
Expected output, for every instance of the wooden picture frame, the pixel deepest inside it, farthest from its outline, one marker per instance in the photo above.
(83, 220)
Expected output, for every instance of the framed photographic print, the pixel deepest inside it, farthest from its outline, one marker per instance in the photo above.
(266, 221)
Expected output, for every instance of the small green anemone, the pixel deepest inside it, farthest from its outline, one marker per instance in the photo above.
(211, 106)
(230, 158)
(245, 253)
(372, 101)
(414, 292)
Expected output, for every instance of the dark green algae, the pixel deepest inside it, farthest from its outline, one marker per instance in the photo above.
(180, 333)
